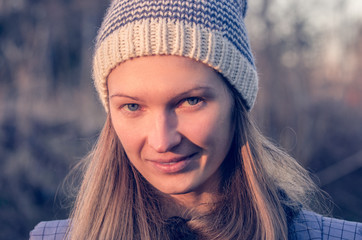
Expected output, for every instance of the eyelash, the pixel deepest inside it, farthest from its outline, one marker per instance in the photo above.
(185, 104)
(128, 107)
(187, 100)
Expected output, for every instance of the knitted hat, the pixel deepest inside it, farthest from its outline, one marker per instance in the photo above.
(209, 31)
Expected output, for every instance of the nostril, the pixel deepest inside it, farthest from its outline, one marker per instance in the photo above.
(163, 141)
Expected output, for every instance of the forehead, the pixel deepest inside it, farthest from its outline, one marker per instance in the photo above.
(162, 73)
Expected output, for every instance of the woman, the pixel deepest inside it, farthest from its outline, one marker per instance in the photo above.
(178, 157)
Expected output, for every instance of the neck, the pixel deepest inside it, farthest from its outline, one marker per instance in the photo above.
(190, 204)
(185, 207)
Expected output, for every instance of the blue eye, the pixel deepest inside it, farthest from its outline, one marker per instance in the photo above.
(132, 107)
(193, 100)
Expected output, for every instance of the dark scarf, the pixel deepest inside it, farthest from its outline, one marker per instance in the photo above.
(177, 229)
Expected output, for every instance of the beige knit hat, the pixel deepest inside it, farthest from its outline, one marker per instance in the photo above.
(209, 31)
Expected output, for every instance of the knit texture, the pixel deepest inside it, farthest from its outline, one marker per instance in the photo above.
(209, 31)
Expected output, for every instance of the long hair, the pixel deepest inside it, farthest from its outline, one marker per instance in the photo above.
(260, 189)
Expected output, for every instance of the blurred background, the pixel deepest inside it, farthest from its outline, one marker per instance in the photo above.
(309, 57)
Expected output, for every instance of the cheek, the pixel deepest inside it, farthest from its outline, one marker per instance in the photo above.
(129, 136)
(210, 130)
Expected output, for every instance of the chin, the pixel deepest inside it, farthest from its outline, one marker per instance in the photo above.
(174, 189)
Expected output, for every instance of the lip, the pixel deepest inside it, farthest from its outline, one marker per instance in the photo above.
(172, 165)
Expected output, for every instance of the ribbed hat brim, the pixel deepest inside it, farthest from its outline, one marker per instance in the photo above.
(147, 37)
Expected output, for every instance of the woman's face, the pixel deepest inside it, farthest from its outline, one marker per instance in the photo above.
(173, 118)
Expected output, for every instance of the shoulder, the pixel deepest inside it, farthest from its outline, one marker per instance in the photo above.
(51, 230)
(310, 225)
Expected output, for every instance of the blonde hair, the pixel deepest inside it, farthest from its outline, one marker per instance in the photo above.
(261, 185)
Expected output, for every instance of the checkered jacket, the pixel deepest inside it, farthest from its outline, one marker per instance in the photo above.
(305, 226)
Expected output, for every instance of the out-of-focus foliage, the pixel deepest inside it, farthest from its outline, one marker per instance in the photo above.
(49, 113)
(309, 57)
(309, 101)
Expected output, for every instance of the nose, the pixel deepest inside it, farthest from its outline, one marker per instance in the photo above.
(163, 134)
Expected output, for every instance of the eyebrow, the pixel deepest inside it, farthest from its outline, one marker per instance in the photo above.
(187, 92)
(124, 95)
(198, 88)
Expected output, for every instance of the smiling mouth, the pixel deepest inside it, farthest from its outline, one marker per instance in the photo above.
(173, 160)
(174, 165)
